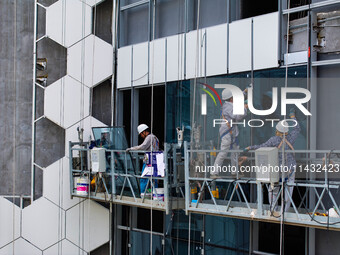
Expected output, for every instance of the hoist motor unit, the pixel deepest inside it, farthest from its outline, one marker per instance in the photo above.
(98, 161)
(267, 165)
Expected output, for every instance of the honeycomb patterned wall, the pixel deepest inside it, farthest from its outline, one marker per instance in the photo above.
(55, 223)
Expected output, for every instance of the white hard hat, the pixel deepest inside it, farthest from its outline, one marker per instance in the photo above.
(226, 94)
(282, 128)
(141, 128)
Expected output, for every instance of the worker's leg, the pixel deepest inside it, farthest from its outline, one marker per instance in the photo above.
(221, 156)
(289, 189)
(234, 158)
(143, 182)
(272, 195)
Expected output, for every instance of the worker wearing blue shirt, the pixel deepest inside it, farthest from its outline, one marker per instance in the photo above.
(281, 140)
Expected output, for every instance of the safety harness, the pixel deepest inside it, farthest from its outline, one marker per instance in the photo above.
(155, 142)
(285, 141)
(229, 131)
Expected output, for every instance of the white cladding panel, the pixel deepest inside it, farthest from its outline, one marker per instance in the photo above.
(157, 61)
(266, 41)
(175, 58)
(217, 54)
(124, 67)
(140, 64)
(195, 54)
(240, 46)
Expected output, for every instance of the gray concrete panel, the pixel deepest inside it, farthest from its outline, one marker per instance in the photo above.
(16, 66)
(50, 142)
(101, 102)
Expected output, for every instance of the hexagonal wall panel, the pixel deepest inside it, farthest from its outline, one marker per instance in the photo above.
(92, 2)
(56, 56)
(57, 184)
(102, 21)
(86, 124)
(43, 223)
(7, 232)
(64, 247)
(47, 2)
(92, 221)
(49, 143)
(101, 102)
(67, 22)
(90, 61)
(66, 101)
(20, 246)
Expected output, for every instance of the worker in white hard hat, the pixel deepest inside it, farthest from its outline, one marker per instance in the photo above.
(228, 133)
(150, 143)
(282, 139)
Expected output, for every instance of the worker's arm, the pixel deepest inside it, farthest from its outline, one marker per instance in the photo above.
(229, 112)
(269, 143)
(293, 135)
(144, 146)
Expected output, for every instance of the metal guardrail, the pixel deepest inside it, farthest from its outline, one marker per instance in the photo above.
(122, 185)
(242, 196)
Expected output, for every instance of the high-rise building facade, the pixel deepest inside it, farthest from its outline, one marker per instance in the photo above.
(71, 66)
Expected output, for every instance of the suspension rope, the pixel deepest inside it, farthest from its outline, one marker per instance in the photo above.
(196, 69)
(153, 188)
(61, 115)
(283, 149)
(189, 233)
(194, 97)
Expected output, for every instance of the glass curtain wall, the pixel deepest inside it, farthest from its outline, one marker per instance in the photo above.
(184, 106)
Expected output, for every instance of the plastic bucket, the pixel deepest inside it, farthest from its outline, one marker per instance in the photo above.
(160, 194)
(83, 186)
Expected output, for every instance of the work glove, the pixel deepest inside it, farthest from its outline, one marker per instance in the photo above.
(292, 113)
(246, 149)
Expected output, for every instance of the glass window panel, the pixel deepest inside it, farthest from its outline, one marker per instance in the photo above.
(227, 232)
(144, 220)
(175, 246)
(180, 226)
(212, 12)
(134, 25)
(112, 138)
(251, 8)
(170, 15)
(264, 81)
(178, 110)
(140, 243)
(209, 134)
(211, 250)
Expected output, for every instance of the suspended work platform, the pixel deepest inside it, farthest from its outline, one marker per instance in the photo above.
(122, 179)
(314, 202)
(186, 184)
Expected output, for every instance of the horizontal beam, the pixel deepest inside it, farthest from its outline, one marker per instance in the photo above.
(289, 217)
(324, 3)
(129, 6)
(311, 6)
(130, 201)
(326, 62)
(296, 9)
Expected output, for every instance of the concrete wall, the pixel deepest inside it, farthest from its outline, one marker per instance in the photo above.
(16, 65)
